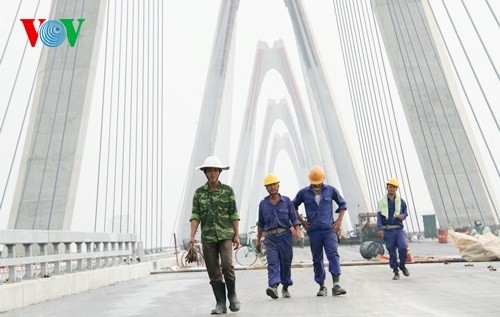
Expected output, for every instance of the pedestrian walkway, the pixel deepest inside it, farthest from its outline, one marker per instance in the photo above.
(433, 289)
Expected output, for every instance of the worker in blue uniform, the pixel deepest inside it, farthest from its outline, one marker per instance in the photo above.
(321, 228)
(276, 216)
(390, 215)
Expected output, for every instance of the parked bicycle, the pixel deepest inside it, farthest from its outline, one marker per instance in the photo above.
(246, 254)
(200, 260)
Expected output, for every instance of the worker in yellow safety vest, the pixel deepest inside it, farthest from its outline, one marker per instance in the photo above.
(391, 213)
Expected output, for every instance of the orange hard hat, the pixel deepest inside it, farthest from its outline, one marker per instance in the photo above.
(316, 175)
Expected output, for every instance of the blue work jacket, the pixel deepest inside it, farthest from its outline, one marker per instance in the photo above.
(281, 215)
(320, 216)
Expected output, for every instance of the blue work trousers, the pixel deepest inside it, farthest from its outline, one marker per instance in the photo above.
(279, 258)
(395, 239)
(327, 240)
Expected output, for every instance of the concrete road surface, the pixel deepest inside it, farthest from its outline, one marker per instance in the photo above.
(433, 289)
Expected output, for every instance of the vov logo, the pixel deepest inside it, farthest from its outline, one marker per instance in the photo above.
(52, 33)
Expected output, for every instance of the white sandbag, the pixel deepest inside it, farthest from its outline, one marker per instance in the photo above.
(476, 248)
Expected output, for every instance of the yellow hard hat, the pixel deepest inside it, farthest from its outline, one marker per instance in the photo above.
(271, 179)
(316, 175)
(393, 182)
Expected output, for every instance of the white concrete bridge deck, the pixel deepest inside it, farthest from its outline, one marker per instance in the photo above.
(433, 289)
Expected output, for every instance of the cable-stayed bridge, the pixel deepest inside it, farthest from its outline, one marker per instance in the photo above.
(90, 135)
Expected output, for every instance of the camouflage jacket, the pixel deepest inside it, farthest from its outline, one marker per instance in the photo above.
(216, 211)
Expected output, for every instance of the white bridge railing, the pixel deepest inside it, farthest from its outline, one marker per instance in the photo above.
(32, 254)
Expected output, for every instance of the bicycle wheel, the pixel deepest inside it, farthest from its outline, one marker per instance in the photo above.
(245, 256)
(200, 261)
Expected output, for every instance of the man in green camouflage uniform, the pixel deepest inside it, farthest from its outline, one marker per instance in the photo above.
(214, 206)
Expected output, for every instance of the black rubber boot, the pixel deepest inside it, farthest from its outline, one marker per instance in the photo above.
(234, 303)
(220, 296)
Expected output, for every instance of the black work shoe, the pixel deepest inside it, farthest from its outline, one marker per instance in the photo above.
(337, 290)
(405, 271)
(323, 291)
(285, 293)
(272, 292)
(396, 276)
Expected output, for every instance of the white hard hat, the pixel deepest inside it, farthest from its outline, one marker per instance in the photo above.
(212, 161)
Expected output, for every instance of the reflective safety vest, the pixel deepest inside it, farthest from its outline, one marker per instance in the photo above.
(383, 206)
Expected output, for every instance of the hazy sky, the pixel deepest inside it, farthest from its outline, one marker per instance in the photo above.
(189, 30)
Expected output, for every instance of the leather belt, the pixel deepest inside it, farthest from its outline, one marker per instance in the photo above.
(275, 231)
(392, 227)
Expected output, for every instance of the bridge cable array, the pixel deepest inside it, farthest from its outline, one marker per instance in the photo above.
(371, 91)
(129, 185)
(132, 120)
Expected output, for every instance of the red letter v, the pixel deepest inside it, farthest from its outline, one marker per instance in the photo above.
(30, 30)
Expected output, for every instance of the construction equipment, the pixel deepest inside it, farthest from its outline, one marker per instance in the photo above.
(371, 245)
(368, 226)
(366, 230)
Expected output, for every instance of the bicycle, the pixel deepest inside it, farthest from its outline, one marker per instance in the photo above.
(200, 260)
(246, 254)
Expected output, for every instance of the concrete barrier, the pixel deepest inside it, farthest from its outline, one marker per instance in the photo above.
(24, 293)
